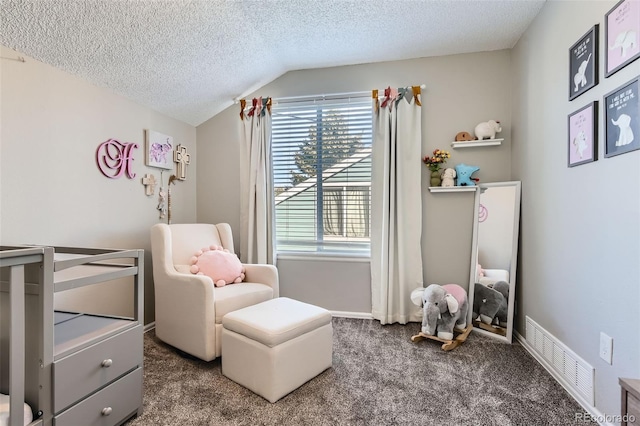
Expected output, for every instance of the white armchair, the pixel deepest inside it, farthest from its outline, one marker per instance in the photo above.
(189, 308)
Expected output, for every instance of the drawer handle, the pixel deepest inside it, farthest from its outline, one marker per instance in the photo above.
(106, 411)
(107, 363)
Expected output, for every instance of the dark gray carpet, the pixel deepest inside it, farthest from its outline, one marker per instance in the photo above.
(379, 377)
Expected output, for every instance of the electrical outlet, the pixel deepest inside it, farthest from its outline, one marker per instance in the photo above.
(606, 348)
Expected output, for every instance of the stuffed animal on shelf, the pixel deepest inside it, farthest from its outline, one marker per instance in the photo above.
(487, 129)
(443, 308)
(464, 173)
(222, 266)
(486, 303)
(463, 137)
(448, 176)
(503, 311)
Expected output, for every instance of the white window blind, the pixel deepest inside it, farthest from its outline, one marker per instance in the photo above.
(322, 175)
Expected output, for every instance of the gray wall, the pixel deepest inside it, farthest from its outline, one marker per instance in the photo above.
(462, 90)
(51, 191)
(580, 235)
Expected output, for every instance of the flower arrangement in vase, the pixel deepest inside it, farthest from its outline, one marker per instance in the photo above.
(434, 163)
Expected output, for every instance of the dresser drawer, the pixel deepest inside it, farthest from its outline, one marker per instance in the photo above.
(82, 373)
(108, 407)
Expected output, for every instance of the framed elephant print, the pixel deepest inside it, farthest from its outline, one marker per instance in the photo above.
(583, 135)
(622, 119)
(622, 25)
(159, 152)
(583, 64)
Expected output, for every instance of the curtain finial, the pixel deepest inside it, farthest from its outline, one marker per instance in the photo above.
(416, 93)
(243, 104)
(374, 95)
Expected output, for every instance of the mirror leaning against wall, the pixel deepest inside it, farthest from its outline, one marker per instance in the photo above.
(494, 255)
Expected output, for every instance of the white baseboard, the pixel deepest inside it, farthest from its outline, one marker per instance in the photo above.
(149, 326)
(593, 411)
(346, 314)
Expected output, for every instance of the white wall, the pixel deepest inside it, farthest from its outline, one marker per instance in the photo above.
(462, 90)
(51, 189)
(580, 233)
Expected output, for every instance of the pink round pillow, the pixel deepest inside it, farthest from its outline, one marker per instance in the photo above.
(222, 266)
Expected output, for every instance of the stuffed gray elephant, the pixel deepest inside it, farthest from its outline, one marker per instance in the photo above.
(486, 303)
(503, 312)
(444, 307)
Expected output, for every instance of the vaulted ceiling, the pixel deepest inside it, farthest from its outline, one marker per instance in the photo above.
(190, 58)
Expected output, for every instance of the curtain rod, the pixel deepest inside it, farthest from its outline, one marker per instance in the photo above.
(361, 94)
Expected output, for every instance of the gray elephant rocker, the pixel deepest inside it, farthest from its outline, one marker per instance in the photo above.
(444, 310)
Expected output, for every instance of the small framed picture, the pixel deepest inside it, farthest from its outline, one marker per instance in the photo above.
(583, 64)
(583, 135)
(621, 117)
(159, 152)
(622, 28)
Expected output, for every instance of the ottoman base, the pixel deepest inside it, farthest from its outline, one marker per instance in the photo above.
(273, 372)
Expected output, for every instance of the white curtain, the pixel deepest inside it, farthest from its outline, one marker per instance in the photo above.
(256, 184)
(396, 215)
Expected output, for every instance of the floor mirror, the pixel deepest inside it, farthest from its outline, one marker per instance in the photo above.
(494, 256)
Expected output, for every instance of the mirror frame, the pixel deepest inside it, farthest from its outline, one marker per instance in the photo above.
(514, 258)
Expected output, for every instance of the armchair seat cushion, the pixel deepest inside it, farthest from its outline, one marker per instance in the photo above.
(237, 296)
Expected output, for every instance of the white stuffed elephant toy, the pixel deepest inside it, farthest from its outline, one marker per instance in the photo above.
(444, 307)
(487, 129)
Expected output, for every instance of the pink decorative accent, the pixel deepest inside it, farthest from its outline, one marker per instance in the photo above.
(256, 107)
(222, 266)
(456, 291)
(483, 213)
(115, 157)
(390, 95)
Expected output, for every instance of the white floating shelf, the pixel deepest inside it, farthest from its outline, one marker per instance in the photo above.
(452, 188)
(472, 144)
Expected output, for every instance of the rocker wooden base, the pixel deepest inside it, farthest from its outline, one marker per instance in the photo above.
(448, 344)
(491, 328)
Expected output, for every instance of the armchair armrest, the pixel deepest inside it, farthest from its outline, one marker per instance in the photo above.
(185, 312)
(264, 274)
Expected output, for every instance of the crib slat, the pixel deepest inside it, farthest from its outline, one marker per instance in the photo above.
(16, 346)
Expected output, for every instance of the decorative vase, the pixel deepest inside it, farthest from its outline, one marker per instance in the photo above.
(435, 178)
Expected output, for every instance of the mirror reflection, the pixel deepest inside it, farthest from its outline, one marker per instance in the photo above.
(494, 258)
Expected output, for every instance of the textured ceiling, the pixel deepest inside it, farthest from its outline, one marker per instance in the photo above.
(190, 58)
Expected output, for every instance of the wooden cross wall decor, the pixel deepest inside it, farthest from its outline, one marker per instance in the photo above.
(182, 159)
(149, 182)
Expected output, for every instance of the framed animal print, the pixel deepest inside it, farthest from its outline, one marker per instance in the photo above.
(159, 152)
(583, 135)
(583, 64)
(622, 26)
(622, 119)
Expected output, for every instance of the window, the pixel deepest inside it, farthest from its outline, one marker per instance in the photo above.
(322, 175)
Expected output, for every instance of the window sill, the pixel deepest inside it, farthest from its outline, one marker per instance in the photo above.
(326, 257)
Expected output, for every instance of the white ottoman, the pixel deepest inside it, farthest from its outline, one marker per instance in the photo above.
(276, 346)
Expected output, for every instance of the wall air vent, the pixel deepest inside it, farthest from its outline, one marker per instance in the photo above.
(575, 372)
